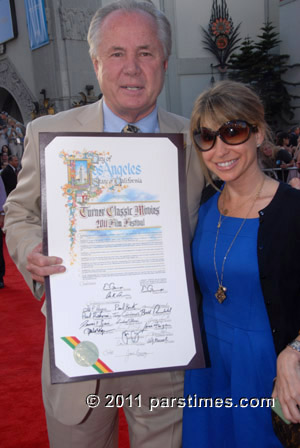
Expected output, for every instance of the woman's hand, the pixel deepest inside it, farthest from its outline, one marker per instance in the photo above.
(287, 386)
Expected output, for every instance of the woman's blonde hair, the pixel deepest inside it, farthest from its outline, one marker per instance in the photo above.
(268, 144)
(225, 101)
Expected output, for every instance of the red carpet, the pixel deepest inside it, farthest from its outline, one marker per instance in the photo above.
(22, 421)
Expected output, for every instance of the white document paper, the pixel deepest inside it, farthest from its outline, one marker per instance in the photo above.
(112, 213)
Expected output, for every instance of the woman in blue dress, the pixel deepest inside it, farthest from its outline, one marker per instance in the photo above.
(246, 257)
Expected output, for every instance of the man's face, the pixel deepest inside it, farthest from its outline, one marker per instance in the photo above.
(130, 64)
(14, 162)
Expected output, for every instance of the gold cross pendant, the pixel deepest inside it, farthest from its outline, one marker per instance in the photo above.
(221, 294)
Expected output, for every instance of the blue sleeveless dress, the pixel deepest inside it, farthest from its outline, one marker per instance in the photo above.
(242, 358)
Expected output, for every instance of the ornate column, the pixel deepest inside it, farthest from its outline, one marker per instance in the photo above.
(13, 83)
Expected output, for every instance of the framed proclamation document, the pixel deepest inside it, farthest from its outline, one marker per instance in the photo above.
(114, 209)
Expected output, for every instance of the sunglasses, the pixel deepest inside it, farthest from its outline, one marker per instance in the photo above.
(233, 132)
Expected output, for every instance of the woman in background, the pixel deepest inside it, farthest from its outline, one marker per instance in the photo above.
(267, 157)
(5, 152)
(284, 155)
(294, 181)
(246, 258)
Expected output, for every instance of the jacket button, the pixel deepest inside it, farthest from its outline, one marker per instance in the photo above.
(274, 330)
(260, 247)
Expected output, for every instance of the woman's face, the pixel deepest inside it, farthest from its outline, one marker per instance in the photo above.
(4, 150)
(267, 151)
(230, 162)
(285, 141)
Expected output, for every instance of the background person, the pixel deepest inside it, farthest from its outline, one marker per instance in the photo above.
(5, 153)
(2, 214)
(130, 43)
(248, 275)
(15, 140)
(4, 136)
(267, 157)
(3, 121)
(294, 135)
(10, 174)
(295, 180)
(284, 156)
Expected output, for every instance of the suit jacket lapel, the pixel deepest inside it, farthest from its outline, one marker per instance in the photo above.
(170, 123)
(91, 117)
(12, 170)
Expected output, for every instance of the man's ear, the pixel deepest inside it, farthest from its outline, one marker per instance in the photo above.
(95, 64)
(165, 65)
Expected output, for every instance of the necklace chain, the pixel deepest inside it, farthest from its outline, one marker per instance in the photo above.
(221, 292)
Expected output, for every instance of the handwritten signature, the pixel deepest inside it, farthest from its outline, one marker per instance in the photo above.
(151, 289)
(111, 287)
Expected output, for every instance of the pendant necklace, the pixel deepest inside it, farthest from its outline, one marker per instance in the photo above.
(222, 290)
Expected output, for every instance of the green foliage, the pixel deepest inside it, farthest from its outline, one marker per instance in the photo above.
(260, 66)
(241, 64)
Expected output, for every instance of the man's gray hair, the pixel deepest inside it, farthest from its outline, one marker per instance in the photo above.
(163, 25)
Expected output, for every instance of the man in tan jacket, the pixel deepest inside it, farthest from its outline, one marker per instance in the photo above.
(130, 43)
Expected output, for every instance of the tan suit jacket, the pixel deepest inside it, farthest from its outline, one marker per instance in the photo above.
(23, 226)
